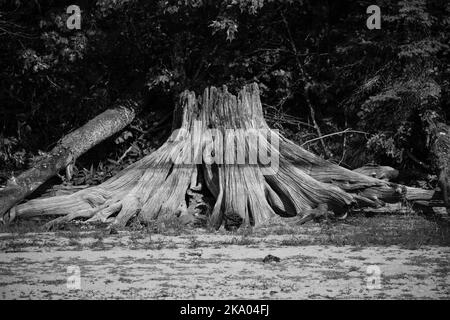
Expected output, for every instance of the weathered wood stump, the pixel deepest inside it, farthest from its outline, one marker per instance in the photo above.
(222, 146)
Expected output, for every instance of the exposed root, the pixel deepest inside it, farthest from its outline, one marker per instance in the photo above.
(53, 224)
(103, 214)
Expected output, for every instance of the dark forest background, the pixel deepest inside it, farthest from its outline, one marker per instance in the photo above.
(383, 85)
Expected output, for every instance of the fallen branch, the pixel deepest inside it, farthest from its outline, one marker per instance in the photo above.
(333, 134)
(66, 152)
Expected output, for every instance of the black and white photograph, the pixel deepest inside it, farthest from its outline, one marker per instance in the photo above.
(224, 154)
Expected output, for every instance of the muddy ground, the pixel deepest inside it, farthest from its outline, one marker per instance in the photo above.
(394, 257)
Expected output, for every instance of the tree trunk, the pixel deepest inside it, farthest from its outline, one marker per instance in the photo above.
(67, 150)
(221, 146)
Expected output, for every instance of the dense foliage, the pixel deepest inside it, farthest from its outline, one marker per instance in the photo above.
(306, 55)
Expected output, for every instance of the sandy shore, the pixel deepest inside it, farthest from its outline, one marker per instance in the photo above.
(214, 267)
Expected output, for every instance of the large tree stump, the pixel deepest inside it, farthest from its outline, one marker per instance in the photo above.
(221, 145)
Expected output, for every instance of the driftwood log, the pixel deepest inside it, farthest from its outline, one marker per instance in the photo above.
(222, 146)
(66, 151)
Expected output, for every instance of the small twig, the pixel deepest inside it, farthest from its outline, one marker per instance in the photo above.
(344, 149)
(333, 134)
(344, 142)
(286, 119)
(138, 129)
(125, 154)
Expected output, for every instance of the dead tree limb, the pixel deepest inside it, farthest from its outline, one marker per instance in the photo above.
(348, 130)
